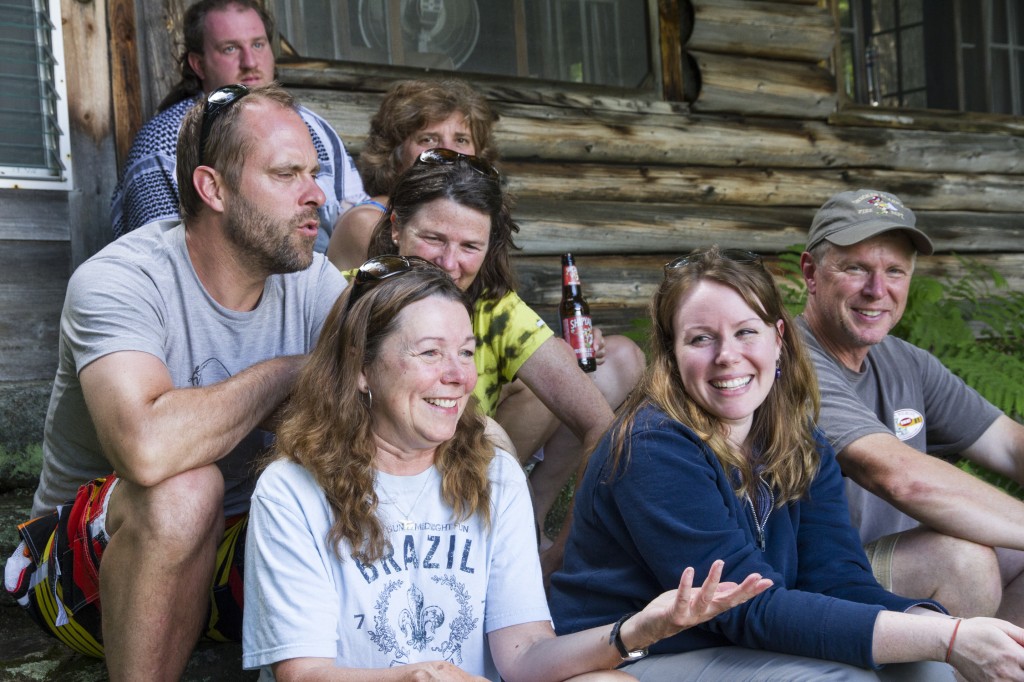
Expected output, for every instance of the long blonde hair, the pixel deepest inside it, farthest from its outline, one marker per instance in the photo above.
(782, 425)
(328, 428)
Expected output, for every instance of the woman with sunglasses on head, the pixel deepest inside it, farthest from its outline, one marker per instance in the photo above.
(390, 539)
(414, 115)
(716, 455)
(449, 208)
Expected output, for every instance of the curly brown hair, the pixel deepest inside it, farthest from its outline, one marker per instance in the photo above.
(408, 107)
(327, 425)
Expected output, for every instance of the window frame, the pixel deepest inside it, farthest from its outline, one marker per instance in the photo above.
(653, 88)
(853, 111)
(21, 177)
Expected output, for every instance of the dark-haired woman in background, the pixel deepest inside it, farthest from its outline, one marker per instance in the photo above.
(450, 209)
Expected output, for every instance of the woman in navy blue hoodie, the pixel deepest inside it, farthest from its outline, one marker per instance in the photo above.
(715, 456)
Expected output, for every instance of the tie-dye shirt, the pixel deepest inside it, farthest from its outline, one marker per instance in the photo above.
(507, 333)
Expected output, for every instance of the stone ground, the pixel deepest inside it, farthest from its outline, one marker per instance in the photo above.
(28, 655)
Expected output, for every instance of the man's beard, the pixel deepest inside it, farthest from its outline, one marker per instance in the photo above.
(263, 243)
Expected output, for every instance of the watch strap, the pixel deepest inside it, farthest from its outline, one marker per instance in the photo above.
(615, 639)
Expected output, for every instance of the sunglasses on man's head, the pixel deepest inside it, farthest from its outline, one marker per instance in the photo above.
(439, 156)
(376, 270)
(736, 255)
(219, 101)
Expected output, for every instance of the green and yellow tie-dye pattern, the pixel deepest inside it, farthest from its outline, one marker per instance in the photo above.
(507, 333)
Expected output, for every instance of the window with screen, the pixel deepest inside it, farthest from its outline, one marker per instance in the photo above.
(604, 42)
(34, 146)
(964, 55)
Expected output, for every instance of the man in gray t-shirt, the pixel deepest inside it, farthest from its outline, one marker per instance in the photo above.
(897, 418)
(178, 343)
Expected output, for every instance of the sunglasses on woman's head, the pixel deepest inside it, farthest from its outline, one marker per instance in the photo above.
(376, 270)
(736, 255)
(439, 156)
(219, 101)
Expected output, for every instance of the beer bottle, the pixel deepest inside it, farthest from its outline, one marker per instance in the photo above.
(574, 316)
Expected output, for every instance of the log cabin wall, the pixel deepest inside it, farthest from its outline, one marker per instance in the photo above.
(627, 183)
(744, 141)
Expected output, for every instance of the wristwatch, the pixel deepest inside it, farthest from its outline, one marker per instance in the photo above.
(616, 639)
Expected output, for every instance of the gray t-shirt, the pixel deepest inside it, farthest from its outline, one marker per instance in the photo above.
(141, 293)
(904, 391)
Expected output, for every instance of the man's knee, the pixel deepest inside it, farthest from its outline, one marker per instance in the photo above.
(182, 511)
(623, 366)
(962, 575)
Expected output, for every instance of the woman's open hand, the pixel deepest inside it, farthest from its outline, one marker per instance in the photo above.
(686, 606)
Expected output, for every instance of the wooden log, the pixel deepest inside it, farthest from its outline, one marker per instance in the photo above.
(533, 132)
(160, 39)
(713, 185)
(952, 122)
(670, 18)
(568, 134)
(593, 227)
(49, 212)
(91, 122)
(124, 77)
(33, 277)
(770, 30)
(763, 87)
(353, 79)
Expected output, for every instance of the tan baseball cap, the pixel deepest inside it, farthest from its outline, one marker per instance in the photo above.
(849, 218)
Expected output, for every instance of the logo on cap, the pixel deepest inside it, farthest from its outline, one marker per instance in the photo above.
(884, 206)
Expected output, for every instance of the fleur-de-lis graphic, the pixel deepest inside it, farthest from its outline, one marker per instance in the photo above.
(419, 622)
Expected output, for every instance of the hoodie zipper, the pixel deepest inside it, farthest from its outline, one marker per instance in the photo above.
(759, 524)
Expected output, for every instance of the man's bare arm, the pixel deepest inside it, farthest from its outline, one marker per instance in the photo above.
(936, 493)
(1000, 449)
(151, 430)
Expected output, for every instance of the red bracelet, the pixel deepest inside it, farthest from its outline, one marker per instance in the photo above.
(949, 649)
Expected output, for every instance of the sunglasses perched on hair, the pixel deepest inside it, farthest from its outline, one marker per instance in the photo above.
(439, 156)
(376, 270)
(219, 101)
(736, 255)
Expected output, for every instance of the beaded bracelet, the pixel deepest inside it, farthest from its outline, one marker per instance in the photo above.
(949, 649)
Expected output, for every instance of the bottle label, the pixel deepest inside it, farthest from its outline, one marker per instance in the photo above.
(579, 332)
(570, 276)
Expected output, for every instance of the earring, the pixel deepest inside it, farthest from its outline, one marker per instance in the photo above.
(369, 398)
(778, 368)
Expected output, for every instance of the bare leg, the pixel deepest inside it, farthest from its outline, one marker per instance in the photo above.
(1011, 565)
(156, 572)
(529, 423)
(961, 575)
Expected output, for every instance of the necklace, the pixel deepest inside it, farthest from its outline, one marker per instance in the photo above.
(405, 520)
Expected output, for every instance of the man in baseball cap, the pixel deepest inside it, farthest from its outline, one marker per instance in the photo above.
(851, 217)
(898, 419)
